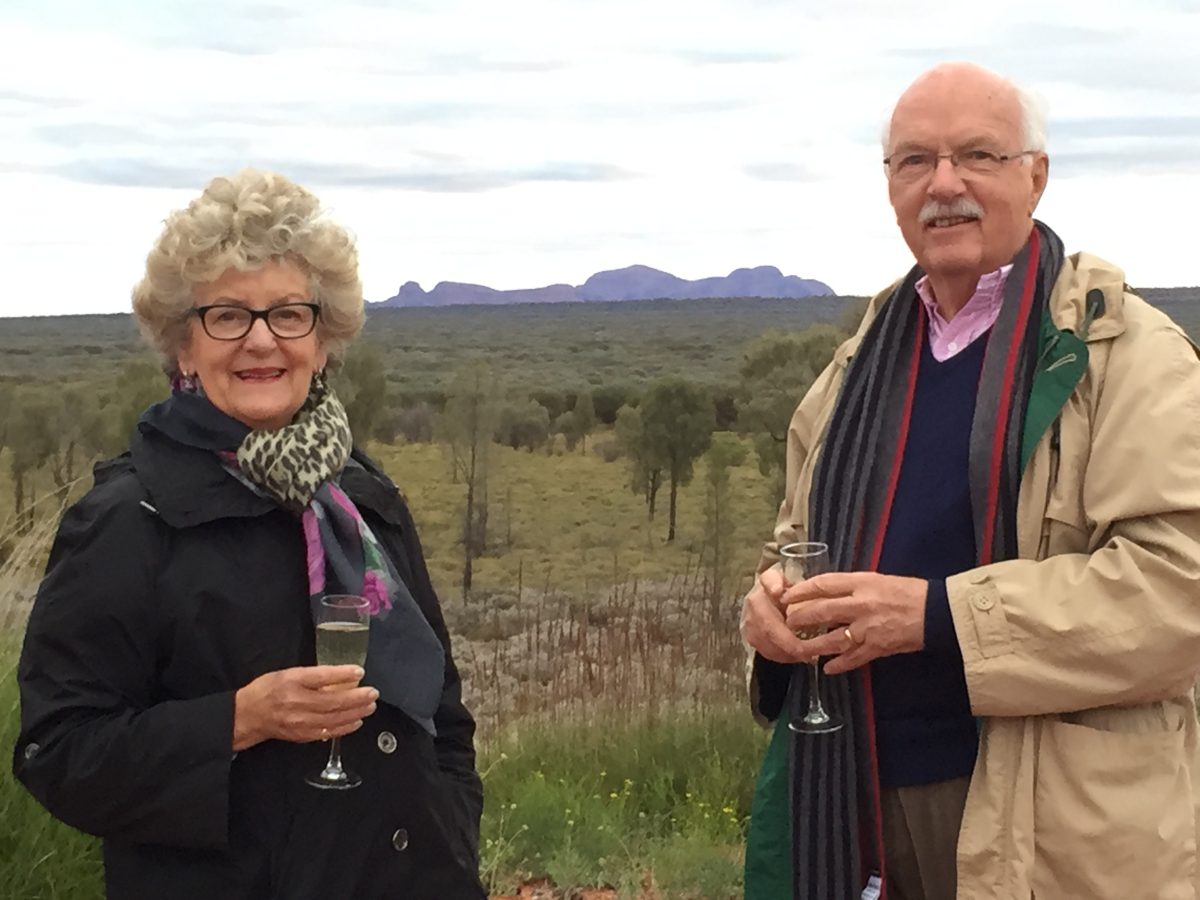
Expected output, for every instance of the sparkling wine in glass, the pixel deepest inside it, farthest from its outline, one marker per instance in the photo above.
(343, 623)
(803, 560)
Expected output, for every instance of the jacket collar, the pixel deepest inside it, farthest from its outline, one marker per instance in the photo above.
(1081, 275)
(189, 487)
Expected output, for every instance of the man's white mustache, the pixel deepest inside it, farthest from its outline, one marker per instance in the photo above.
(963, 207)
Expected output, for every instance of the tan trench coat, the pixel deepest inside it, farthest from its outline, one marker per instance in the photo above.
(1080, 655)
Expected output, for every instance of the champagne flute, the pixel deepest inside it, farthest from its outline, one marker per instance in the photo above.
(803, 560)
(343, 623)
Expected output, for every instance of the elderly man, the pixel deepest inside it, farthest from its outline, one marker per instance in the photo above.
(1005, 464)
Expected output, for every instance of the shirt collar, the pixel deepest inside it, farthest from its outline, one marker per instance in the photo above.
(989, 294)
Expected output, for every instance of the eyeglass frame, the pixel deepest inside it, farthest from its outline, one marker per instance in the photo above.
(201, 312)
(954, 155)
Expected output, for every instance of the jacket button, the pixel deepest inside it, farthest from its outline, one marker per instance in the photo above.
(31, 750)
(400, 840)
(984, 601)
(386, 742)
(978, 578)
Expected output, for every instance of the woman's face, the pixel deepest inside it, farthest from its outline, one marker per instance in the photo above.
(260, 380)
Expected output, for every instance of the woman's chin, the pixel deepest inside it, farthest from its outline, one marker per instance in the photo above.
(264, 416)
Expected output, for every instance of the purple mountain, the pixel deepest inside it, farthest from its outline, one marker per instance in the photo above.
(631, 283)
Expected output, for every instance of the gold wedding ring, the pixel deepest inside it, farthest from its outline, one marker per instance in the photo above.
(325, 731)
(849, 636)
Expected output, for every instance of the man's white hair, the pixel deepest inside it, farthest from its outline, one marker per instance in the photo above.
(1033, 119)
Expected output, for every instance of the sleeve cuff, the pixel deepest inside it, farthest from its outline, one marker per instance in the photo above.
(940, 636)
(769, 687)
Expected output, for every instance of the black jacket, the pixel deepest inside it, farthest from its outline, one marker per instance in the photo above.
(169, 586)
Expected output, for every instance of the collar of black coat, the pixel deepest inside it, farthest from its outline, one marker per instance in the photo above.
(188, 486)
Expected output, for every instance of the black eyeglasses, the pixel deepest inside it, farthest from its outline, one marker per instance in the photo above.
(288, 321)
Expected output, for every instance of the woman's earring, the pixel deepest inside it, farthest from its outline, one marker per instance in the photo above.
(186, 382)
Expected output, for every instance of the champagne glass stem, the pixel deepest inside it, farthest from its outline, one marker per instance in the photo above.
(816, 712)
(333, 768)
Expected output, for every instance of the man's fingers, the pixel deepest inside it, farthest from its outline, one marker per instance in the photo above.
(765, 630)
(782, 646)
(771, 581)
(847, 662)
(831, 584)
(808, 615)
(829, 643)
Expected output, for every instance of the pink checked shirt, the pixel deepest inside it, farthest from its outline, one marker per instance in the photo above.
(948, 338)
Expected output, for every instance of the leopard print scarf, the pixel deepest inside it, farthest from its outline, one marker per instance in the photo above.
(290, 464)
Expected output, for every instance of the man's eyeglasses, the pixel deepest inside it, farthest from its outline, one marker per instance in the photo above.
(288, 321)
(919, 164)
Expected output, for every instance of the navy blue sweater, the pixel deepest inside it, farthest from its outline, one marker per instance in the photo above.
(924, 728)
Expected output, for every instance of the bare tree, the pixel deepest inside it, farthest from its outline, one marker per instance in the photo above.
(725, 453)
(585, 417)
(467, 426)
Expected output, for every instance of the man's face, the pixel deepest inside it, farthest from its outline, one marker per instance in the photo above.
(961, 223)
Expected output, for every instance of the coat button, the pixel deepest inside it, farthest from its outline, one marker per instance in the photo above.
(31, 750)
(400, 840)
(984, 601)
(386, 742)
(978, 578)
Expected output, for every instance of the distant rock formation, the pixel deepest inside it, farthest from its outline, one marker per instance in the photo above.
(630, 283)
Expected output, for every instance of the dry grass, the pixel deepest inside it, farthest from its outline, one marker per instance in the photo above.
(645, 650)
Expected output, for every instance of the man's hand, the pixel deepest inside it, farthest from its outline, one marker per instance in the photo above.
(884, 614)
(307, 703)
(763, 626)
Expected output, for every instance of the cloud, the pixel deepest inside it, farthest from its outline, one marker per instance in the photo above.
(1180, 158)
(31, 99)
(131, 171)
(695, 115)
(1096, 58)
(216, 121)
(459, 64)
(1127, 127)
(196, 120)
(781, 171)
(730, 57)
(652, 110)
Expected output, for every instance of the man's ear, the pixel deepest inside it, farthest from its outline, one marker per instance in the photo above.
(1039, 175)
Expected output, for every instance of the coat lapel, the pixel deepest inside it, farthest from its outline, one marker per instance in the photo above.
(1062, 361)
(189, 486)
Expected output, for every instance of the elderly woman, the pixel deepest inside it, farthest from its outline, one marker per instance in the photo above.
(169, 697)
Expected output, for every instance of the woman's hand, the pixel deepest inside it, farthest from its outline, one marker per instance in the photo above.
(307, 703)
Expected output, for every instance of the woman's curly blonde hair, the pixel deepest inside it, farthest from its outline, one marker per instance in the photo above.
(241, 222)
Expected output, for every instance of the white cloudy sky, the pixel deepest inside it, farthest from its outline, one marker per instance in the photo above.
(528, 142)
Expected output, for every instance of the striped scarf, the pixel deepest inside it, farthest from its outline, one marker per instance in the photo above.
(835, 846)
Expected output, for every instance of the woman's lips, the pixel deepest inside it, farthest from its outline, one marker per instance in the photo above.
(260, 375)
